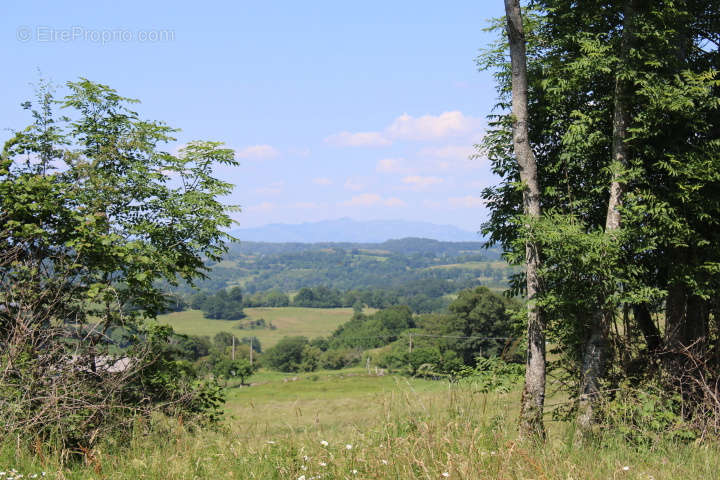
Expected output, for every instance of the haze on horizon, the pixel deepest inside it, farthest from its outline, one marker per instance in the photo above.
(367, 111)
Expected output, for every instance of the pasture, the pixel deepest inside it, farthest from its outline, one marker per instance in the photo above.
(351, 425)
(290, 321)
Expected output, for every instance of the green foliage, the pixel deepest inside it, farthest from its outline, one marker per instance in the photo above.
(290, 355)
(663, 258)
(492, 374)
(477, 313)
(414, 272)
(94, 215)
(239, 368)
(225, 305)
(375, 330)
(645, 415)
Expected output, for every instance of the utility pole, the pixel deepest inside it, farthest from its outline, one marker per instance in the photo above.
(251, 350)
(410, 349)
(233, 348)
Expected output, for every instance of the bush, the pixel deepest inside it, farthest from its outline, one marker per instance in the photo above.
(338, 359)
(646, 414)
(287, 355)
(239, 368)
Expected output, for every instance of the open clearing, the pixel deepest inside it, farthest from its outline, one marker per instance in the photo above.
(351, 425)
(290, 321)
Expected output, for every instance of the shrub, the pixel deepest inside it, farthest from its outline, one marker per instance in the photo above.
(287, 355)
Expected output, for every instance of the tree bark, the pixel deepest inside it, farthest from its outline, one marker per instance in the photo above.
(648, 328)
(597, 343)
(533, 397)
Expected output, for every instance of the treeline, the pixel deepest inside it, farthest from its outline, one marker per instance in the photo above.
(289, 267)
(478, 325)
(615, 134)
(421, 296)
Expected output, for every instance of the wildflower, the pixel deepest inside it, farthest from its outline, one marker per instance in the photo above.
(324, 443)
(348, 447)
(303, 468)
(354, 472)
(301, 477)
(384, 462)
(626, 468)
(446, 474)
(323, 464)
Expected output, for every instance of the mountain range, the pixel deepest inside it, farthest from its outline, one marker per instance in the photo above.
(349, 230)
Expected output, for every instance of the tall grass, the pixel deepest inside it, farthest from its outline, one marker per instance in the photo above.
(402, 430)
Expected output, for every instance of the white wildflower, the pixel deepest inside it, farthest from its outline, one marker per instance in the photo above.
(301, 477)
(323, 464)
(348, 447)
(446, 474)
(626, 468)
(354, 472)
(324, 443)
(270, 442)
(384, 462)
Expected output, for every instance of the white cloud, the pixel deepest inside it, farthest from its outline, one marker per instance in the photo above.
(274, 188)
(354, 185)
(359, 139)
(420, 182)
(448, 151)
(407, 127)
(392, 165)
(372, 199)
(322, 181)
(394, 202)
(257, 152)
(363, 200)
(433, 127)
(467, 201)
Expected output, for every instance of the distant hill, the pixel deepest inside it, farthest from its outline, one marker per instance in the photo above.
(349, 230)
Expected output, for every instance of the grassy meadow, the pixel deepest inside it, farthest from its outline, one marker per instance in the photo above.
(290, 321)
(351, 425)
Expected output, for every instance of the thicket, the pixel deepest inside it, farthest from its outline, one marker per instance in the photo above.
(93, 214)
(624, 108)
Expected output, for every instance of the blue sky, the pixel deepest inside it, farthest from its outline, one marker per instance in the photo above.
(336, 109)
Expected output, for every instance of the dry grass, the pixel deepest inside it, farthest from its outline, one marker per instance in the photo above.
(290, 321)
(397, 429)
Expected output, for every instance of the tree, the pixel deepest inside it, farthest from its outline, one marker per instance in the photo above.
(287, 355)
(239, 368)
(477, 313)
(623, 111)
(533, 398)
(597, 344)
(93, 216)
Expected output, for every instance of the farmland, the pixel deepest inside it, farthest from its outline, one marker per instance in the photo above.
(290, 321)
(342, 425)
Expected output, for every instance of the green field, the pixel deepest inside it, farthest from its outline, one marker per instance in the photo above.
(308, 322)
(351, 425)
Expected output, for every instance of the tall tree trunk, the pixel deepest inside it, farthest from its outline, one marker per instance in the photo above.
(533, 398)
(596, 345)
(648, 328)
